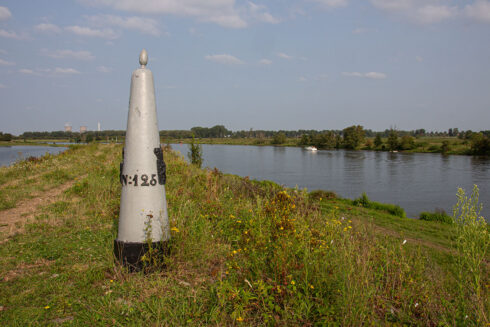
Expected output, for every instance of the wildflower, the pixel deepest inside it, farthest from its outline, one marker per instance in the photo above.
(239, 319)
(293, 206)
(239, 221)
(416, 304)
(312, 287)
(404, 241)
(234, 252)
(174, 229)
(231, 216)
(47, 307)
(112, 281)
(293, 282)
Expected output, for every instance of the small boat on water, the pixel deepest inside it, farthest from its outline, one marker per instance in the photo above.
(311, 148)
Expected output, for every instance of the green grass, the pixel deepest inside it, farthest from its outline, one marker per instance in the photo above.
(243, 253)
(436, 216)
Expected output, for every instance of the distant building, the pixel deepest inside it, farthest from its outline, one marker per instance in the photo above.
(83, 129)
(67, 127)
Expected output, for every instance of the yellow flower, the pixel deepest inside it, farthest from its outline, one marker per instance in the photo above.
(47, 307)
(231, 216)
(174, 229)
(293, 206)
(112, 281)
(239, 221)
(239, 319)
(293, 282)
(312, 287)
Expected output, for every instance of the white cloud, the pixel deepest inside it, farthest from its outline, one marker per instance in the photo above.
(372, 75)
(10, 35)
(26, 71)
(332, 3)
(221, 12)
(141, 24)
(479, 10)
(420, 11)
(258, 12)
(265, 61)
(47, 28)
(104, 69)
(59, 70)
(375, 75)
(352, 74)
(284, 56)
(6, 63)
(62, 54)
(106, 33)
(225, 59)
(4, 13)
(434, 14)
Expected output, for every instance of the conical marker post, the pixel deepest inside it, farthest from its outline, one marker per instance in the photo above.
(143, 218)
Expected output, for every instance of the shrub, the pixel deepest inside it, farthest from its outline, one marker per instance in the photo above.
(195, 153)
(363, 201)
(438, 215)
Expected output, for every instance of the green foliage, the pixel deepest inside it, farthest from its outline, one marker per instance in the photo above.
(395, 210)
(5, 137)
(279, 138)
(445, 147)
(353, 137)
(195, 153)
(480, 144)
(472, 242)
(439, 216)
(392, 140)
(407, 143)
(378, 142)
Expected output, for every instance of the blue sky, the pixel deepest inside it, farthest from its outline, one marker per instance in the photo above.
(303, 64)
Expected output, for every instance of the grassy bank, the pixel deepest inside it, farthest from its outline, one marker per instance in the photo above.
(421, 144)
(243, 253)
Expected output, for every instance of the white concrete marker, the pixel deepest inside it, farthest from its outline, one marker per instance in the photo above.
(143, 216)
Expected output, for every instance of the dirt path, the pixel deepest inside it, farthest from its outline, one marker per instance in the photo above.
(13, 220)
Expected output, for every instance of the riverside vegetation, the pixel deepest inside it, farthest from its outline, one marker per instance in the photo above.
(243, 253)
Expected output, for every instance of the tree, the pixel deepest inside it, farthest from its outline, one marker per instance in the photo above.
(392, 140)
(279, 138)
(353, 137)
(480, 144)
(378, 142)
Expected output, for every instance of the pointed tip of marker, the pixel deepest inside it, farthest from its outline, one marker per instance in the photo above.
(143, 58)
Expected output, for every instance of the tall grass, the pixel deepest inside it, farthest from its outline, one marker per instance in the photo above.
(472, 241)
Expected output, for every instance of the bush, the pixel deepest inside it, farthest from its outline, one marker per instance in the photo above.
(324, 195)
(279, 138)
(195, 153)
(363, 201)
(438, 215)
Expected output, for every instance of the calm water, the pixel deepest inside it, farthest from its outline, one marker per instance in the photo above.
(11, 154)
(417, 182)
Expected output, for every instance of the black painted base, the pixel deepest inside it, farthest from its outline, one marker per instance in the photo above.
(130, 254)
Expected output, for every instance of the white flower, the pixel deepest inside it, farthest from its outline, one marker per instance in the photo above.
(404, 241)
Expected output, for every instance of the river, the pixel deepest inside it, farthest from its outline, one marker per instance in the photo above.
(11, 154)
(415, 181)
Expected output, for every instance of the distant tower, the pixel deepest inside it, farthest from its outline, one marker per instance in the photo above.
(98, 126)
(67, 127)
(83, 129)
